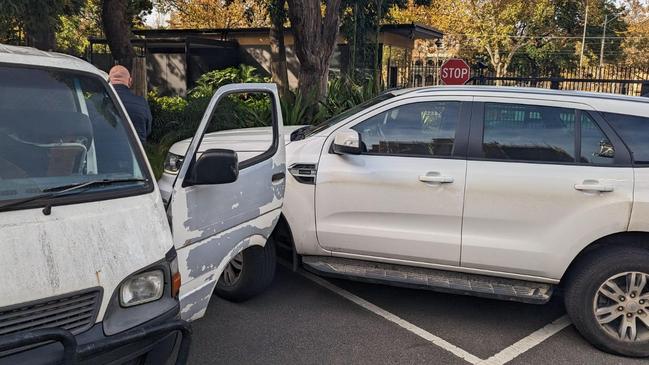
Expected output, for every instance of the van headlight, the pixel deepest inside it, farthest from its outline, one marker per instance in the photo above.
(142, 288)
(173, 162)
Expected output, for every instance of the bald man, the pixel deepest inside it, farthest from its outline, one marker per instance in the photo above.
(136, 106)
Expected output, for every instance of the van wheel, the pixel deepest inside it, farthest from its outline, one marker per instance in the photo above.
(248, 273)
(607, 298)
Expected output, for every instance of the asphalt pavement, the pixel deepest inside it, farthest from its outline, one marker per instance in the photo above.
(305, 319)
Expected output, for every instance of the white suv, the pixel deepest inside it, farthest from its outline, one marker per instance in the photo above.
(509, 193)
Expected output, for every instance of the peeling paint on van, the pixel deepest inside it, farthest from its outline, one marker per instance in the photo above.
(80, 246)
(196, 302)
(224, 246)
(244, 217)
(254, 196)
(202, 263)
(213, 223)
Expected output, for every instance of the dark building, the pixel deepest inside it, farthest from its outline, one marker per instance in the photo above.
(175, 58)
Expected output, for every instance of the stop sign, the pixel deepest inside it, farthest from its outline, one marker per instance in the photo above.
(455, 72)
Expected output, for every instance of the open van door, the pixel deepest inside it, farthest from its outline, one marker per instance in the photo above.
(228, 194)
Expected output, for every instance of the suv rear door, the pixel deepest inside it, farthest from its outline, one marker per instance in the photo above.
(212, 223)
(530, 204)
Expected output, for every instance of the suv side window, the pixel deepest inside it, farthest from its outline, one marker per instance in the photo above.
(419, 129)
(528, 133)
(634, 131)
(595, 146)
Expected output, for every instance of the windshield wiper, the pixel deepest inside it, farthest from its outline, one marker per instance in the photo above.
(62, 190)
(84, 184)
(27, 200)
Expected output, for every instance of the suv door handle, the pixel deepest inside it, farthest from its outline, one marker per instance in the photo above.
(590, 185)
(436, 179)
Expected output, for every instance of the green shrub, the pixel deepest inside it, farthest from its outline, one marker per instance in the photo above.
(295, 109)
(177, 118)
(342, 93)
(207, 84)
(166, 111)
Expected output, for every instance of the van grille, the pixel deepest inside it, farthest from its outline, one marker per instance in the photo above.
(74, 312)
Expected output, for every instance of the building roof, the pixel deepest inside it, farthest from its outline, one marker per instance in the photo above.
(33, 57)
(412, 31)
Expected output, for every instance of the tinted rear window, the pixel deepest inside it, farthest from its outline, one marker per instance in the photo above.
(528, 133)
(634, 131)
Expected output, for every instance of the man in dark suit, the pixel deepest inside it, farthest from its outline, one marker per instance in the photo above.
(136, 106)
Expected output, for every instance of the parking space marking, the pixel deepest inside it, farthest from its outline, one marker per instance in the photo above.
(440, 342)
(529, 342)
(504, 356)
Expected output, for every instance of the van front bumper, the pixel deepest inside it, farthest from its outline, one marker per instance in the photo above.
(154, 342)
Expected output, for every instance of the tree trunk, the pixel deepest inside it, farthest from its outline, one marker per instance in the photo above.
(315, 39)
(117, 29)
(313, 81)
(138, 74)
(41, 37)
(278, 66)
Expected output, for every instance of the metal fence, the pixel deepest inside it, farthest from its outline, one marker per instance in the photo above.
(610, 79)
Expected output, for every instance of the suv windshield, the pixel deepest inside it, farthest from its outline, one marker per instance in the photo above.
(347, 113)
(60, 129)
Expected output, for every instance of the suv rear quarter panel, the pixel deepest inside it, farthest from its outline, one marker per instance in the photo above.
(640, 212)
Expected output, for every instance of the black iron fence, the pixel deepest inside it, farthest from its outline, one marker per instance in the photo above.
(609, 79)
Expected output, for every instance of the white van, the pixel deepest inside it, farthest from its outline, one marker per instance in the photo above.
(87, 254)
(90, 271)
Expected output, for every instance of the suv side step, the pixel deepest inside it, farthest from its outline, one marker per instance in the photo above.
(431, 279)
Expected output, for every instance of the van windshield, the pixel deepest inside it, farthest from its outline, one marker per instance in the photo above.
(60, 129)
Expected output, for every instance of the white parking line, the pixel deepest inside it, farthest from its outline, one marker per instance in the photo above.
(394, 319)
(524, 345)
(502, 357)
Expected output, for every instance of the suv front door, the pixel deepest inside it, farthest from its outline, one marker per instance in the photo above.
(212, 223)
(401, 198)
(544, 179)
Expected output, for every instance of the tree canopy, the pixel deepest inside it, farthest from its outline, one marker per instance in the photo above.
(635, 45)
(197, 14)
(536, 34)
(35, 22)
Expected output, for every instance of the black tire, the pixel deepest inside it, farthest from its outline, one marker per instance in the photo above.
(583, 284)
(257, 273)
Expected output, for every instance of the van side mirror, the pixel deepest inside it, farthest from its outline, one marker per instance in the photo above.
(347, 142)
(215, 166)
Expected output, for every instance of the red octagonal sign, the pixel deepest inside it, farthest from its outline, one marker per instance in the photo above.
(455, 72)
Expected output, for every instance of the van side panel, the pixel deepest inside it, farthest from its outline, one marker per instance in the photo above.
(640, 212)
(203, 262)
(80, 246)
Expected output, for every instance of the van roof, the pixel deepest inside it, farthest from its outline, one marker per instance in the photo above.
(29, 56)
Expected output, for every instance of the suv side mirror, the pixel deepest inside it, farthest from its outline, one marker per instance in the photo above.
(347, 142)
(215, 166)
